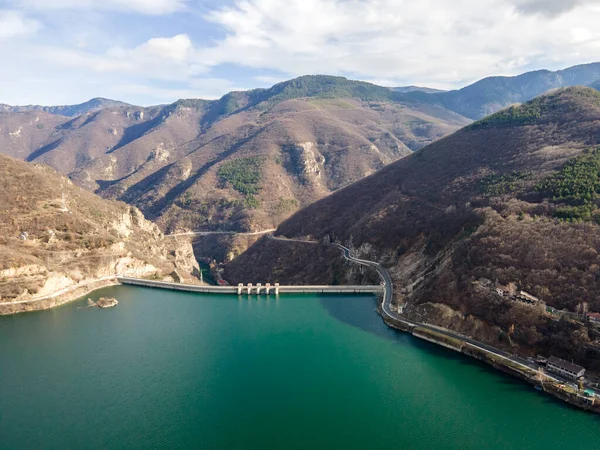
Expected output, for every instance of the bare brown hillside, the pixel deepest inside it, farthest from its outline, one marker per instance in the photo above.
(512, 199)
(297, 142)
(47, 244)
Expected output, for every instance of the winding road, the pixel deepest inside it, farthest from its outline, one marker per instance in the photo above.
(209, 233)
(387, 311)
(302, 241)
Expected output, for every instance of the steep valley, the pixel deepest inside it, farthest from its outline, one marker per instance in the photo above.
(244, 162)
(249, 160)
(495, 204)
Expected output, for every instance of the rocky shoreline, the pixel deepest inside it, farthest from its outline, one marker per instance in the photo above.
(532, 377)
(54, 300)
(103, 303)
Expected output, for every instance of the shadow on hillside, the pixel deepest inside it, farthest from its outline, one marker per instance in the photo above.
(42, 150)
(136, 190)
(134, 132)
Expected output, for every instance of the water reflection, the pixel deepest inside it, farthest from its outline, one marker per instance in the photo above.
(360, 311)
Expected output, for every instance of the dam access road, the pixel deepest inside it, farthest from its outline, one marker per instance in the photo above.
(388, 312)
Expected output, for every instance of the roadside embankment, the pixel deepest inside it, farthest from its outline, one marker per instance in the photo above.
(573, 397)
(547, 383)
(58, 298)
(438, 338)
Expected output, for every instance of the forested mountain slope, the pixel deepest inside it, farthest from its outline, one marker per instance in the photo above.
(512, 199)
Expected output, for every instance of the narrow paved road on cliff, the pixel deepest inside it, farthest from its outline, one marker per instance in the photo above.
(385, 276)
(209, 233)
(284, 239)
(391, 314)
(387, 311)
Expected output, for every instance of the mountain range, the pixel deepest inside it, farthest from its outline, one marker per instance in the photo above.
(95, 104)
(474, 101)
(510, 200)
(250, 159)
(243, 162)
(402, 176)
(494, 93)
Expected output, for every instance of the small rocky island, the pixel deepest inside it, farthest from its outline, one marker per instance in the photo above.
(103, 302)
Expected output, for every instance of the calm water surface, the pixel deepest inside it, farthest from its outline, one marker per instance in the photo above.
(178, 370)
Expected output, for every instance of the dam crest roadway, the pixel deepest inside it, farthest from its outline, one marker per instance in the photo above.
(250, 289)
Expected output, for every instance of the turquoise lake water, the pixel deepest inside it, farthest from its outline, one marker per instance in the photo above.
(180, 370)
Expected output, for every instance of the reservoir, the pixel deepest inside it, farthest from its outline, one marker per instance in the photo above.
(179, 370)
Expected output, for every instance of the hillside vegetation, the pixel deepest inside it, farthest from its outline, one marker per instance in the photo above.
(500, 200)
(244, 175)
(193, 165)
(575, 187)
(322, 86)
(47, 243)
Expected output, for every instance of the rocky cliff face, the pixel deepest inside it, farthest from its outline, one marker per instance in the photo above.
(56, 236)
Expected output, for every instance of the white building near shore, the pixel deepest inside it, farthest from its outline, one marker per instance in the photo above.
(564, 368)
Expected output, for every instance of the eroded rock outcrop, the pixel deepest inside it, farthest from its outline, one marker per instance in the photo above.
(104, 302)
(308, 160)
(92, 242)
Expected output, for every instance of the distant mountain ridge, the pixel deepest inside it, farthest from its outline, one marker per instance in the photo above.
(475, 101)
(405, 89)
(95, 104)
(491, 94)
(307, 86)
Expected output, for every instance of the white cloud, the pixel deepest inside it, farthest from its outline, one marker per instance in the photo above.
(432, 42)
(140, 6)
(550, 8)
(14, 24)
(151, 70)
(581, 35)
(158, 58)
(177, 48)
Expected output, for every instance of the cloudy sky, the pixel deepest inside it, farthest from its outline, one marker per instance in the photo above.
(156, 51)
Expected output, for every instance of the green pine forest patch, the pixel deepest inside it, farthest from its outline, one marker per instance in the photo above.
(245, 176)
(494, 185)
(575, 188)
